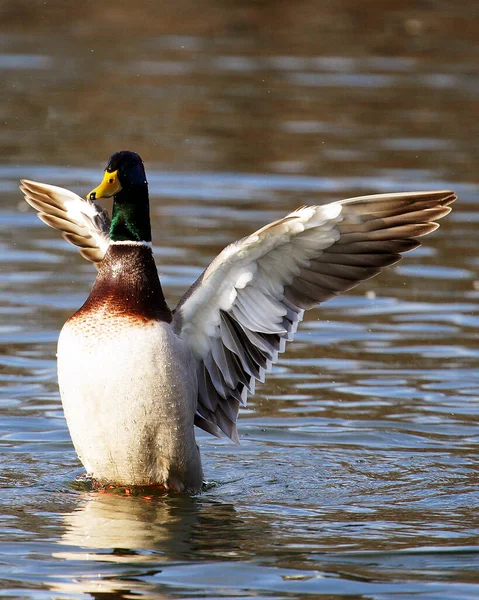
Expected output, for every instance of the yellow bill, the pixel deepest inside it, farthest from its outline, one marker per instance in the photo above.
(108, 187)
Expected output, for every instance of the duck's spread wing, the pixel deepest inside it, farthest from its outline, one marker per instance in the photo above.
(81, 222)
(239, 314)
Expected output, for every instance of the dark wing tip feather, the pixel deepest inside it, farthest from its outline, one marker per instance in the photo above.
(375, 232)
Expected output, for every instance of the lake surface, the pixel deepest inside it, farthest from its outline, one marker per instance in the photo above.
(357, 474)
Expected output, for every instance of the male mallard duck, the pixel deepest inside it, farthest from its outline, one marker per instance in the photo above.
(135, 376)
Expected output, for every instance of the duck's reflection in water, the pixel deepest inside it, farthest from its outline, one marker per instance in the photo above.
(135, 538)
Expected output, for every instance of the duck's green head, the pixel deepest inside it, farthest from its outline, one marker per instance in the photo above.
(125, 180)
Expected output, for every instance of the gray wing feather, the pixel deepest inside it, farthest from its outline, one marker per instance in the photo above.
(250, 300)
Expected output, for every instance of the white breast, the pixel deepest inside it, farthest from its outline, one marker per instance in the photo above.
(129, 393)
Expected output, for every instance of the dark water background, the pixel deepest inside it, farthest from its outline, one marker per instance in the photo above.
(357, 474)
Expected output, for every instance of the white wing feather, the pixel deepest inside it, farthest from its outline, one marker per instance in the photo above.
(81, 222)
(238, 316)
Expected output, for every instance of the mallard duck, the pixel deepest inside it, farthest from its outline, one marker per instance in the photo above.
(135, 377)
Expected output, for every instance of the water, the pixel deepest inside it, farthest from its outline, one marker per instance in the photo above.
(357, 474)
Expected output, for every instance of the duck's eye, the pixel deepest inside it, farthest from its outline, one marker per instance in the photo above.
(111, 180)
